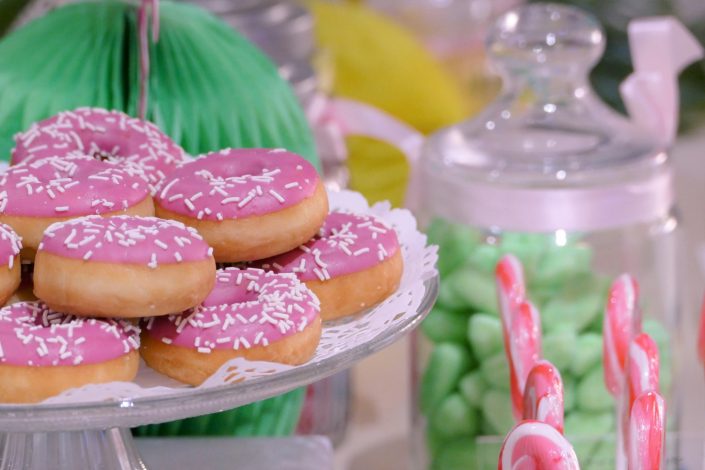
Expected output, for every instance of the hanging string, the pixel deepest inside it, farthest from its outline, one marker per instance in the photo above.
(143, 27)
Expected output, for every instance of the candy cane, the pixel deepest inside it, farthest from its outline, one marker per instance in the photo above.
(536, 445)
(647, 425)
(622, 319)
(643, 368)
(701, 335)
(511, 290)
(524, 351)
(543, 395)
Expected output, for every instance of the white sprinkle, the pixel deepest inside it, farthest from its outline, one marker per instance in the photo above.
(166, 340)
(277, 196)
(161, 244)
(178, 256)
(61, 208)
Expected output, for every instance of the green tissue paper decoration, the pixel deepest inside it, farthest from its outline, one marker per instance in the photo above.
(209, 88)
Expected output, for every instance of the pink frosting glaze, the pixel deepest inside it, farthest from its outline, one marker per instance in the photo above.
(247, 308)
(10, 245)
(73, 186)
(233, 184)
(125, 239)
(347, 243)
(103, 134)
(31, 334)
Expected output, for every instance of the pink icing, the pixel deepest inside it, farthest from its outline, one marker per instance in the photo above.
(125, 239)
(103, 134)
(31, 334)
(10, 245)
(347, 243)
(238, 183)
(247, 308)
(64, 187)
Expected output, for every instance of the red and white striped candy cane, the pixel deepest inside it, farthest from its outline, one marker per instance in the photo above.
(647, 431)
(543, 395)
(621, 321)
(523, 352)
(511, 290)
(643, 368)
(533, 445)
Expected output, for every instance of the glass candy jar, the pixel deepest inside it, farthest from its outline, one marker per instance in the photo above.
(580, 195)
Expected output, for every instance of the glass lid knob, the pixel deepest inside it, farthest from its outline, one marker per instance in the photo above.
(546, 35)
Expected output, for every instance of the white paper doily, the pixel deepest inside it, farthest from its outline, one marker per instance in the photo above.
(338, 336)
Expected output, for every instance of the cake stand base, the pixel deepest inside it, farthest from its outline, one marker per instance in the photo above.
(111, 449)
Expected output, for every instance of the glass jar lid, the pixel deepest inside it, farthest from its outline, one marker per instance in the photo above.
(548, 127)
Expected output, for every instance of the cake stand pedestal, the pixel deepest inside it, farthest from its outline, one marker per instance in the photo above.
(96, 435)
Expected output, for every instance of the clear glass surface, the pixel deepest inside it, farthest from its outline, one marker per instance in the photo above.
(130, 413)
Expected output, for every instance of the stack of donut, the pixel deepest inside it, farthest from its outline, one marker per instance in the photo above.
(109, 239)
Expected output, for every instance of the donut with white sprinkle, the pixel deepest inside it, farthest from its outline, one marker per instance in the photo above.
(247, 203)
(43, 352)
(104, 135)
(40, 192)
(10, 269)
(353, 263)
(123, 267)
(258, 315)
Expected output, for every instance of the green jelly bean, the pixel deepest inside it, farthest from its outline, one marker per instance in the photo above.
(592, 395)
(444, 325)
(561, 263)
(455, 246)
(497, 411)
(454, 417)
(437, 231)
(472, 387)
(447, 364)
(569, 392)
(576, 306)
(484, 333)
(528, 247)
(587, 432)
(559, 348)
(588, 353)
(447, 298)
(474, 289)
(495, 371)
(484, 258)
(458, 454)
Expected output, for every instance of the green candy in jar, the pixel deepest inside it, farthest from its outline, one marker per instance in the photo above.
(484, 334)
(448, 363)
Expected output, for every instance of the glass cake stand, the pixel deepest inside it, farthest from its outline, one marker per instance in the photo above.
(96, 435)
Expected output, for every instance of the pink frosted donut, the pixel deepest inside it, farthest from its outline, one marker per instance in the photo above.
(43, 352)
(123, 267)
(103, 134)
(258, 315)
(39, 192)
(248, 203)
(353, 263)
(10, 272)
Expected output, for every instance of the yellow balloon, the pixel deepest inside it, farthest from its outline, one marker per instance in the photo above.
(371, 59)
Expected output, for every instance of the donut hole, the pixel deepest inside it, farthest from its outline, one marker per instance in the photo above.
(227, 295)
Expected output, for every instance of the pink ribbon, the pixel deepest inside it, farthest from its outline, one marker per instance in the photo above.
(546, 210)
(333, 119)
(661, 47)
